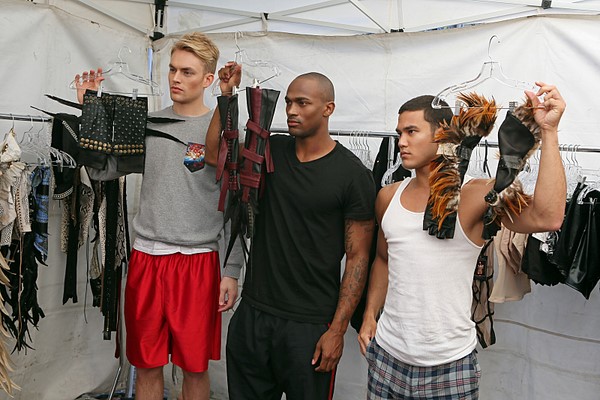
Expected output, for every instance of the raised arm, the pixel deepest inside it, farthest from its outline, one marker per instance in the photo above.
(358, 237)
(230, 77)
(547, 209)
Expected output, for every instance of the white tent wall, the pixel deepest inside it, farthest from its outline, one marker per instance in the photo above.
(548, 344)
(42, 48)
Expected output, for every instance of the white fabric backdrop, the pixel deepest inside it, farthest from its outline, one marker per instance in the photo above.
(42, 48)
(548, 344)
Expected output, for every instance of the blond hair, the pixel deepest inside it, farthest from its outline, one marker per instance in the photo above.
(202, 47)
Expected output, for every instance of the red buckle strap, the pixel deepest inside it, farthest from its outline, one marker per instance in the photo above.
(263, 133)
(254, 127)
(268, 159)
(232, 134)
(252, 156)
(251, 180)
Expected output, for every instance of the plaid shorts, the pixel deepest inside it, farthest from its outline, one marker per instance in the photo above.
(390, 378)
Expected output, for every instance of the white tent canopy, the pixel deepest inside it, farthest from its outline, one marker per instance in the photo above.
(339, 17)
(548, 344)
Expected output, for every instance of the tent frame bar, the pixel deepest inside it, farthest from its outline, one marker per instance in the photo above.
(114, 16)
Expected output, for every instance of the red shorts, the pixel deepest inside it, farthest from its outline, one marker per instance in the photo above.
(171, 306)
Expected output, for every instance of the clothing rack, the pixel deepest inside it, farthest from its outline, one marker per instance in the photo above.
(371, 134)
(382, 134)
(562, 147)
(22, 117)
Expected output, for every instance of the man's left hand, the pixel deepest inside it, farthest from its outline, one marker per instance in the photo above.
(329, 348)
(228, 293)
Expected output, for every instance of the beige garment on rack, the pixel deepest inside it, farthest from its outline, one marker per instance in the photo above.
(11, 170)
(512, 283)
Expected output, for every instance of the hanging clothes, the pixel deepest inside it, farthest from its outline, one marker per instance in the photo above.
(538, 262)
(65, 137)
(40, 193)
(482, 309)
(111, 138)
(512, 283)
(577, 251)
(24, 254)
(11, 170)
(22, 295)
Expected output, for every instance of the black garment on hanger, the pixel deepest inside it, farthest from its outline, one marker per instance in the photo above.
(65, 135)
(381, 163)
(21, 295)
(70, 283)
(379, 168)
(538, 265)
(113, 126)
(111, 284)
(578, 248)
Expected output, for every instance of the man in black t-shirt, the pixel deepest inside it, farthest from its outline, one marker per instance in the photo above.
(287, 334)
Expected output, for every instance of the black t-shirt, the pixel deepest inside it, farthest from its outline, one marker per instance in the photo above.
(295, 269)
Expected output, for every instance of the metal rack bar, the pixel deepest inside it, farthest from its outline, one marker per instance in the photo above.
(23, 117)
(373, 134)
(382, 134)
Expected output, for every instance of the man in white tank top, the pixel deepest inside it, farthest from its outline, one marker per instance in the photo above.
(423, 345)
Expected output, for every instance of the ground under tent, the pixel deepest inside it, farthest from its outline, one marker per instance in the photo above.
(548, 344)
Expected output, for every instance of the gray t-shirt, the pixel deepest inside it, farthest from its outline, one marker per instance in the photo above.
(178, 206)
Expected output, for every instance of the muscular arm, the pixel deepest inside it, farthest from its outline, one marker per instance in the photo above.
(213, 138)
(358, 236)
(378, 281)
(376, 293)
(547, 209)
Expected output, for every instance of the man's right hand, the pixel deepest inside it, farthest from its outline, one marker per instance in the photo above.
(87, 80)
(366, 334)
(230, 77)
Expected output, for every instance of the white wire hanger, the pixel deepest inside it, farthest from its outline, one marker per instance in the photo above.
(120, 68)
(489, 70)
(254, 72)
(36, 144)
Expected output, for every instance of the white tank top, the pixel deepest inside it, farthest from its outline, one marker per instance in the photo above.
(426, 319)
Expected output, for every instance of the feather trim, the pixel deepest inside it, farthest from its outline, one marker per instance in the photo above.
(524, 113)
(445, 178)
(511, 201)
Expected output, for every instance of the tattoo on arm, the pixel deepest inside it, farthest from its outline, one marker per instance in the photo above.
(358, 236)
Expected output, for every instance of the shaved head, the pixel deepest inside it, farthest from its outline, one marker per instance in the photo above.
(323, 82)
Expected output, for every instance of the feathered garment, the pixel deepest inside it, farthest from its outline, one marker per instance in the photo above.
(456, 143)
(518, 138)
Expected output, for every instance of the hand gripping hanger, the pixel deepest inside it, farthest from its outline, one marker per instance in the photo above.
(254, 72)
(490, 70)
(121, 68)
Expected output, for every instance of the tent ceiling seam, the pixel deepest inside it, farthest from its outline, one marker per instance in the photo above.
(114, 16)
(305, 21)
(369, 14)
(209, 28)
(311, 7)
(471, 19)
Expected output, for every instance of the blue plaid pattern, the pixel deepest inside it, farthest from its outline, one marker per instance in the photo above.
(390, 378)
